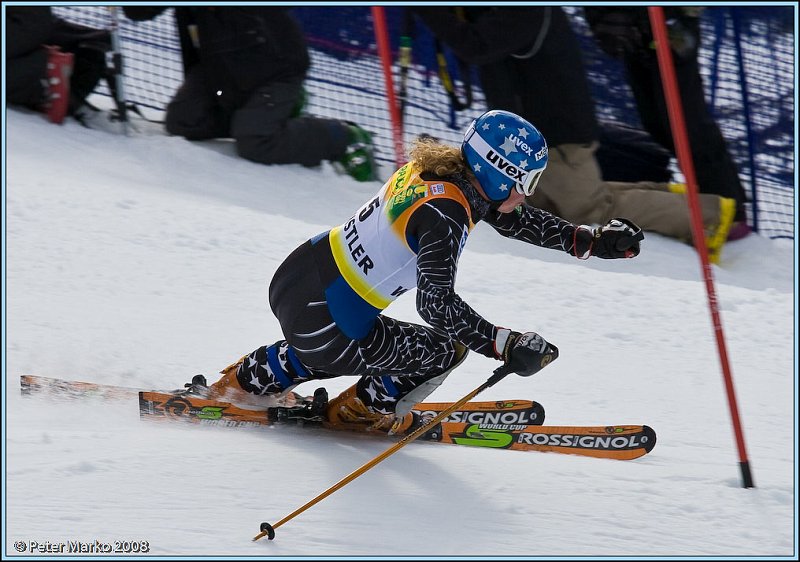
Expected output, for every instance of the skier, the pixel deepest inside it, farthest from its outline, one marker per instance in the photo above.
(329, 293)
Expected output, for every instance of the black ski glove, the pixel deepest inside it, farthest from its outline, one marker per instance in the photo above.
(524, 354)
(618, 239)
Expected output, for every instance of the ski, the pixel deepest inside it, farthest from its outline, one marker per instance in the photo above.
(172, 404)
(505, 424)
(34, 384)
(499, 425)
(621, 442)
(196, 409)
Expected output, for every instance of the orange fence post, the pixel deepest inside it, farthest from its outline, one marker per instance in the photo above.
(385, 52)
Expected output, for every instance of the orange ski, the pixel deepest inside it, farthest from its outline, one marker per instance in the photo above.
(34, 384)
(195, 409)
(491, 424)
(622, 442)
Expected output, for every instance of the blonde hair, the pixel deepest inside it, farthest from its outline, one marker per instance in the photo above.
(430, 155)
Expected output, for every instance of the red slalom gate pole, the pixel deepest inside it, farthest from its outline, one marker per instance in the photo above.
(683, 152)
(385, 52)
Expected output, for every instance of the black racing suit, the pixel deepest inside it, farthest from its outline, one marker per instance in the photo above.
(392, 357)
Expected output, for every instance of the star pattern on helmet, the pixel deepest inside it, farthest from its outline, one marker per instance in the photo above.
(477, 167)
(503, 187)
(508, 146)
(485, 127)
(523, 133)
(523, 163)
(501, 126)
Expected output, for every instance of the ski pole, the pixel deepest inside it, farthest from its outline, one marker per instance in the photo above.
(118, 73)
(268, 530)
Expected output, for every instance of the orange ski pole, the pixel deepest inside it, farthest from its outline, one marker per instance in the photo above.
(268, 530)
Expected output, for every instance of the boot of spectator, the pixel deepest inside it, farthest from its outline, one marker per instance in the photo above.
(93, 117)
(59, 71)
(717, 235)
(728, 230)
(739, 230)
(359, 159)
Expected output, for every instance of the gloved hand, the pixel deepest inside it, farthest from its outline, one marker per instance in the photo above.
(619, 238)
(524, 354)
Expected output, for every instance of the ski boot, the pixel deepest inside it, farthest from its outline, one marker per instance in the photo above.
(348, 411)
(228, 389)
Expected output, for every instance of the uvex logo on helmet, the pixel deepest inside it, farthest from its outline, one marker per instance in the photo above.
(504, 151)
(505, 166)
(520, 144)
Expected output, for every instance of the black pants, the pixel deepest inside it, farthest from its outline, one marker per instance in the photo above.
(393, 359)
(715, 169)
(24, 79)
(262, 125)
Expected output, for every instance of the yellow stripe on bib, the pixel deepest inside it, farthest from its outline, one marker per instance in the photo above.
(350, 274)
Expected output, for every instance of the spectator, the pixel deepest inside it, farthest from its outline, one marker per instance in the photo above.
(624, 33)
(244, 68)
(52, 65)
(529, 62)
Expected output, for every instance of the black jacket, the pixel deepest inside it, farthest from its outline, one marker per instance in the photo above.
(240, 47)
(27, 29)
(529, 61)
(624, 31)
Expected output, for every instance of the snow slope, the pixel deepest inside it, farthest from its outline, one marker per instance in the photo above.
(143, 260)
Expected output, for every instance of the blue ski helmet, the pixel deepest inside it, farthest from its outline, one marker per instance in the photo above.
(504, 151)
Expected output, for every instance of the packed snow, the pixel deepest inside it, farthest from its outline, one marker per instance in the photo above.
(142, 260)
